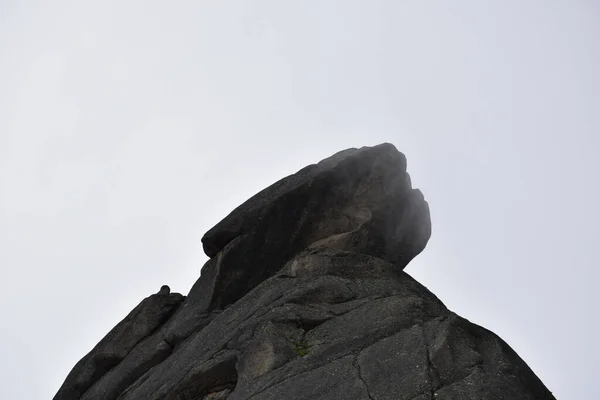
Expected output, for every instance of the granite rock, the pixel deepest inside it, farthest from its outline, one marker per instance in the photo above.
(305, 297)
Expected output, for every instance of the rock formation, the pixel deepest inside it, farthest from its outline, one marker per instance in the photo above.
(304, 297)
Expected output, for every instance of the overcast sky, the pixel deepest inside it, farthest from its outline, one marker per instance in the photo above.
(129, 128)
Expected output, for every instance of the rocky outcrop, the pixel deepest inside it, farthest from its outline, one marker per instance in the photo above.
(123, 345)
(305, 297)
(358, 200)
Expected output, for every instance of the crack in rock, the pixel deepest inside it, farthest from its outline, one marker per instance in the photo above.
(434, 376)
(360, 376)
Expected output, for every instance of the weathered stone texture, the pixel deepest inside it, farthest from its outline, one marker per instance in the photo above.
(305, 297)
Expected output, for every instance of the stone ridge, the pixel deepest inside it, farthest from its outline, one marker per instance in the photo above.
(136, 328)
(305, 297)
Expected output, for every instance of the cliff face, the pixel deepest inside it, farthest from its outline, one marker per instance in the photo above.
(304, 297)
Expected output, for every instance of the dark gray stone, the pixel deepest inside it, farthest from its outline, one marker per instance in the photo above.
(148, 353)
(358, 199)
(332, 381)
(397, 367)
(305, 298)
(151, 313)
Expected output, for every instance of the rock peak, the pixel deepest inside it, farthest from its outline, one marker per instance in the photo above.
(305, 298)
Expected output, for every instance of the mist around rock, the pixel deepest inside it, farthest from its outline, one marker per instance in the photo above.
(305, 297)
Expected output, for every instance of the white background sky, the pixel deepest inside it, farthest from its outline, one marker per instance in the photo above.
(129, 128)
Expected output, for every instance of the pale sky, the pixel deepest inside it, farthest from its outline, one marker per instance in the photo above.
(129, 128)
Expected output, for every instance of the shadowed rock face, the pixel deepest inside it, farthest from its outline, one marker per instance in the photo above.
(304, 297)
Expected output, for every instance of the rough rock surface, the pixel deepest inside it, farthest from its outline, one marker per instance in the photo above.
(305, 297)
